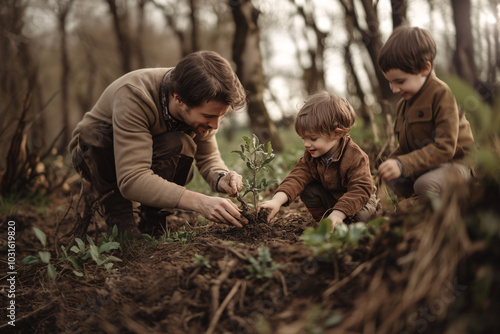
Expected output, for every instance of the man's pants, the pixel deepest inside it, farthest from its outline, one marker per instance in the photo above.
(434, 181)
(173, 155)
(318, 201)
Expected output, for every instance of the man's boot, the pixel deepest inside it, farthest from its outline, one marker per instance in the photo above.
(152, 220)
(118, 211)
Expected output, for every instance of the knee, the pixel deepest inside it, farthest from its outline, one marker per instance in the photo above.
(312, 197)
(172, 144)
(424, 185)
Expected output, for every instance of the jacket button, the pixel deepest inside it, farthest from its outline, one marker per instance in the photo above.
(420, 113)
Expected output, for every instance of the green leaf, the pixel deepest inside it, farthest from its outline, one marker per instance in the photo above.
(340, 231)
(334, 319)
(80, 244)
(77, 273)
(94, 252)
(109, 265)
(114, 232)
(41, 236)
(109, 246)
(74, 262)
(44, 256)
(51, 271)
(30, 259)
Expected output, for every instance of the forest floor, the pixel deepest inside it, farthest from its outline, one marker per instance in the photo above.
(410, 276)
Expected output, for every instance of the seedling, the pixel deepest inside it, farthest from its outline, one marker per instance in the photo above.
(43, 255)
(80, 253)
(264, 266)
(201, 261)
(257, 157)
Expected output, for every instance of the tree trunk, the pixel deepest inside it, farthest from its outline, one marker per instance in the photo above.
(194, 26)
(141, 59)
(463, 59)
(63, 10)
(399, 9)
(248, 59)
(365, 109)
(120, 24)
(314, 76)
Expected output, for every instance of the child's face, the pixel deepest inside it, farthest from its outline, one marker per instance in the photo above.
(319, 145)
(404, 84)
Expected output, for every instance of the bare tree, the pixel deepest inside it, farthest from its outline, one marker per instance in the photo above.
(314, 75)
(464, 48)
(120, 23)
(171, 15)
(17, 68)
(371, 39)
(248, 59)
(399, 9)
(194, 25)
(62, 10)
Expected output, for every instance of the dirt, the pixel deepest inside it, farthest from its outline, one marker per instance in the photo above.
(158, 288)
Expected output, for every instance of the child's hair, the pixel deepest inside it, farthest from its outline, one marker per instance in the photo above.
(407, 49)
(326, 114)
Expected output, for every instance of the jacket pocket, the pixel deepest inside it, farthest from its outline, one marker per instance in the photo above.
(420, 115)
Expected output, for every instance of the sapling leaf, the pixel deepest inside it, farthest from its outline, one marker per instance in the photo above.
(41, 236)
(81, 245)
(30, 259)
(108, 246)
(77, 273)
(44, 256)
(51, 271)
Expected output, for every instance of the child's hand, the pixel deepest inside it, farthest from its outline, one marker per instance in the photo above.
(273, 206)
(389, 170)
(336, 217)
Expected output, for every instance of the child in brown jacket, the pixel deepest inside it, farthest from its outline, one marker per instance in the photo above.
(434, 137)
(333, 177)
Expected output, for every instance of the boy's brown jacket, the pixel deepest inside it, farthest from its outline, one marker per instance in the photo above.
(430, 129)
(347, 177)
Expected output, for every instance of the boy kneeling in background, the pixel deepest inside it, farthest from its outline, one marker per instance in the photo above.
(333, 177)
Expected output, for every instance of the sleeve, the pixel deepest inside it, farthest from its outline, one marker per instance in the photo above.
(441, 146)
(133, 112)
(296, 181)
(208, 159)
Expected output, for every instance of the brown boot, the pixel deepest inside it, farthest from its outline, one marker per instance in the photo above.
(118, 211)
(152, 220)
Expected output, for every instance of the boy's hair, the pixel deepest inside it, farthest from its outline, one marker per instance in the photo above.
(205, 76)
(326, 114)
(407, 49)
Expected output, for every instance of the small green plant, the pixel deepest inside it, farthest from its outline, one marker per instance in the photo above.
(201, 261)
(328, 244)
(257, 157)
(79, 253)
(43, 255)
(264, 266)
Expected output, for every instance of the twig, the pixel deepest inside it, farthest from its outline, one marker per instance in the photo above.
(353, 274)
(219, 311)
(215, 289)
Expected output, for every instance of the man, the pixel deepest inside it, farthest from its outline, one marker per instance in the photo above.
(139, 141)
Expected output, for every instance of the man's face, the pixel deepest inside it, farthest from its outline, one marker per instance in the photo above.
(203, 118)
(404, 84)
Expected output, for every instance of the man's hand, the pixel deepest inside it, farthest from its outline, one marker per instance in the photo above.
(273, 205)
(231, 183)
(336, 217)
(220, 210)
(389, 170)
